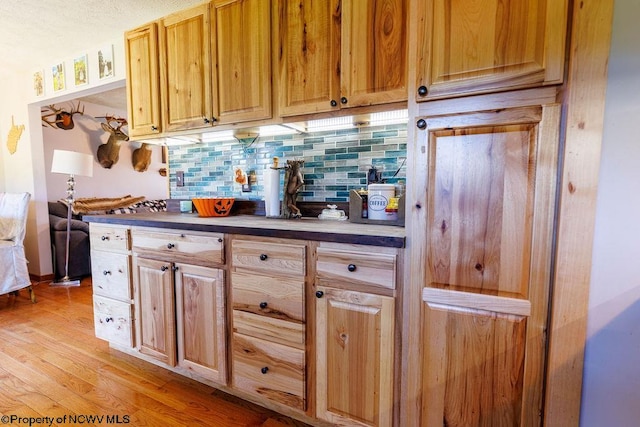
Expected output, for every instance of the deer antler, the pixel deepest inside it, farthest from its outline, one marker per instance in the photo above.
(63, 119)
(121, 121)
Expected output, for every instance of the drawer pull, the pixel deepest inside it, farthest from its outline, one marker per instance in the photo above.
(263, 305)
(352, 267)
(319, 294)
(174, 268)
(164, 268)
(219, 239)
(103, 238)
(171, 246)
(108, 319)
(264, 370)
(263, 257)
(106, 272)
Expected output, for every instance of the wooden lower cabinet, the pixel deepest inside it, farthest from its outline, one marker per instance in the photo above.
(354, 357)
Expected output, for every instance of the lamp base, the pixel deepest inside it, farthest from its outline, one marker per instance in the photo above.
(65, 281)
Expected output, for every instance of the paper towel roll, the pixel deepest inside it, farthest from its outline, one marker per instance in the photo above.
(272, 192)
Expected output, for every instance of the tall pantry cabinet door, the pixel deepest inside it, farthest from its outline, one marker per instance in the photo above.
(308, 48)
(490, 207)
(143, 94)
(374, 52)
(200, 317)
(475, 46)
(154, 307)
(185, 74)
(241, 40)
(354, 357)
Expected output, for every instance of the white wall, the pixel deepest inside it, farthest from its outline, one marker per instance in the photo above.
(611, 388)
(120, 180)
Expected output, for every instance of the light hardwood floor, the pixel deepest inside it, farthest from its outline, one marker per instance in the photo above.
(52, 365)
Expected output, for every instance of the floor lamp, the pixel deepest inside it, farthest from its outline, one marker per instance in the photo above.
(70, 163)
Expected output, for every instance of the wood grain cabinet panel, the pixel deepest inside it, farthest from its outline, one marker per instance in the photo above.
(491, 183)
(185, 74)
(113, 320)
(111, 275)
(241, 35)
(367, 268)
(354, 357)
(109, 238)
(206, 249)
(340, 54)
(281, 259)
(143, 91)
(478, 46)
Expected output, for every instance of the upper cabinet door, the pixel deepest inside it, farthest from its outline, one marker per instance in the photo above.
(143, 98)
(374, 52)
(474, 46)
(186, 69)
(241, 39)
(308, 49)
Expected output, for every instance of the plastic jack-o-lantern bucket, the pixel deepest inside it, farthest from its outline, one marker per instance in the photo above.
(213, 206)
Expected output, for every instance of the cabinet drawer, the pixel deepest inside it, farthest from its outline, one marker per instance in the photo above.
(109, 238)
(113, 320)
(191, 248)
(272, 258)
(277, 297)
(366, 268)
(269, 370)
(111, 274)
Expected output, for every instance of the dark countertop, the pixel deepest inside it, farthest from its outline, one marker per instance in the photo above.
(304, 228)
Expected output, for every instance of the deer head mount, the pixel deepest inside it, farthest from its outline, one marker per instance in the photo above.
(141, 157)
(58, 117)
(109, 152)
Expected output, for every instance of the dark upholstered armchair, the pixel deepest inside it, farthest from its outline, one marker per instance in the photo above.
(79, 250)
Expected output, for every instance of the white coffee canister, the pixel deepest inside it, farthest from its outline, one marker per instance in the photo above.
(378, 196)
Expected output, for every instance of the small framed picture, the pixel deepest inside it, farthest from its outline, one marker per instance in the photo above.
(80, 70)
(105, 62)
(38, 83)
(57, 76)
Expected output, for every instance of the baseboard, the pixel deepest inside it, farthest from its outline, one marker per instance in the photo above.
(40, 279)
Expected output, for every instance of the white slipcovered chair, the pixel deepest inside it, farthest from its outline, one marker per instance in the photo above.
(14, 274)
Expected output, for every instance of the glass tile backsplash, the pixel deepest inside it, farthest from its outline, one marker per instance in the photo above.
(334, 163)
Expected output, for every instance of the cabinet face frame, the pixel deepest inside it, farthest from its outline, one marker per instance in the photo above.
(497, 58)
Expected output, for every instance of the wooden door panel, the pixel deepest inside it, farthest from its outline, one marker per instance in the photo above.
(473, 368)
(374, 51)
(185, 76)
(309, 55)
(155, 310)
(200, 311)
(480, 207)
(482, 45)
(242, 35)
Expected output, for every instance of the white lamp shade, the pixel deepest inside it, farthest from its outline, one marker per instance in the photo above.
(72, 163)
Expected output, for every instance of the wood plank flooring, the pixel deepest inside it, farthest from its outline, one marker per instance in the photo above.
(51, 365)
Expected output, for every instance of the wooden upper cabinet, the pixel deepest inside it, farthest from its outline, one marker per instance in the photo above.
(185, 73)
(339, 54)
(308, 48)
(477, 46)
(374, 52)
(143, 96)
(241, 46)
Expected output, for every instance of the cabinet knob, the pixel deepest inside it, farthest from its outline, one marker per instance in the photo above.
(219, 239)
(319, 294)
(164, 268)
(333, 103)
(423, 91)
(343, 100)
(103, 238)
(352, 267)
(263, 305)
(106, 272)
(175, 268)
(422, 124)
(171, 246)
(263, 257)
(206, 120)
(108, 319)
(264, 370)
(154, 128)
